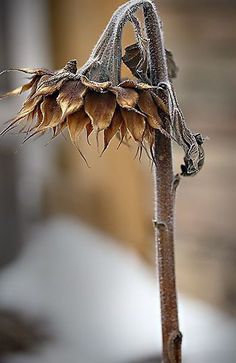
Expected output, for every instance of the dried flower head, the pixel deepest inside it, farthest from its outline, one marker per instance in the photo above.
(94, 97)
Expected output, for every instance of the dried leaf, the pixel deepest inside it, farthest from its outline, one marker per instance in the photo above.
(135, 59)
(172, 67)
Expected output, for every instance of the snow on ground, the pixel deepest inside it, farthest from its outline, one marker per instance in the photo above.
(101, 302)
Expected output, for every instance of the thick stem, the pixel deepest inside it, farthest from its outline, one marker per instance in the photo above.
(164, 204)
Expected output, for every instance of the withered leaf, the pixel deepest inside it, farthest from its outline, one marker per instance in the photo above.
(135, 59)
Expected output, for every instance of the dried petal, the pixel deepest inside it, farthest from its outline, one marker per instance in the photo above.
(71, 96)
(52, 114)
(100, 107)
(89, 130)
(111, 131)
(76, 123)
(125, 97)
(96, 86)
(148, 106)
(135, 123)
(28, 107)
(34, 71)
(21, 89)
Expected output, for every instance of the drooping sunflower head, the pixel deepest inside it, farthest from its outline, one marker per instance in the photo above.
(95, 98)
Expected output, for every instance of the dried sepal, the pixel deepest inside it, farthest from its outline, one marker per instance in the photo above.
(96, 86)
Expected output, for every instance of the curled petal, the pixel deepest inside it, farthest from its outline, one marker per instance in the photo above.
(28, 107)
(76, 123)
(128, 83)
(126, 97)
(135, 123)
(51, 112)
(96, 86)
(71, 96)
(100, 107)
(111, 131)
(148, 106)
(36, 71)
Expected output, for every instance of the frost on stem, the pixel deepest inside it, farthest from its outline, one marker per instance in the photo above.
(95, 98)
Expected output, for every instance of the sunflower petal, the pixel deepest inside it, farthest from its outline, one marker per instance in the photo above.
(135, 123)
(36, 71)
(100, 107)
(19, 90)
(71, 96)
(51, 112)
(76, 123)
(125, 97)
(89, 130)
(32, 71)
(111, 131)
(149, 107)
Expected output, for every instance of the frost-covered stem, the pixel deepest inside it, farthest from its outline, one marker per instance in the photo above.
(164, 202)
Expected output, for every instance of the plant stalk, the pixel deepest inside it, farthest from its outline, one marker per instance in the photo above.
(164, 190)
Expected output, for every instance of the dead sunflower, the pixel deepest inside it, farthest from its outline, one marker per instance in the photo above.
(63, 99)
(94, 97)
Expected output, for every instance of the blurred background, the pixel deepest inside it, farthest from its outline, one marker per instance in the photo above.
(42, 182)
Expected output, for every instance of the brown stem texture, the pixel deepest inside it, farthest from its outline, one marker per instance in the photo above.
(164, 203)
